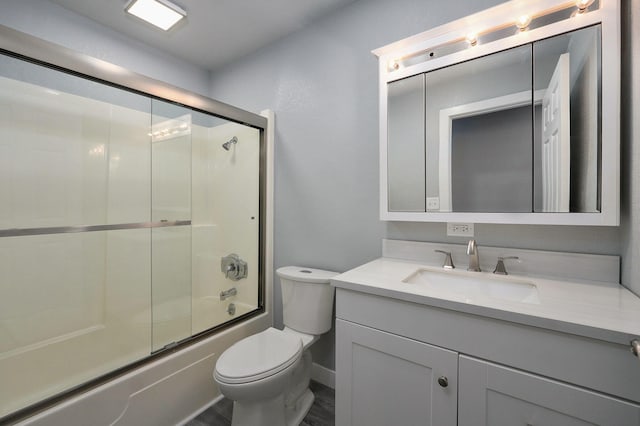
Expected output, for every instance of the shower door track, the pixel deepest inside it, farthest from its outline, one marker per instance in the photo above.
(18, 232)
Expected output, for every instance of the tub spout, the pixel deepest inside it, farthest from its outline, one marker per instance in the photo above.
(228, 293)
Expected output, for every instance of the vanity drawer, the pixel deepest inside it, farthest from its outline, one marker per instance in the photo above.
(591, 363)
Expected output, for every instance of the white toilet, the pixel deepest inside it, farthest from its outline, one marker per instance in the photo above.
(267, 375)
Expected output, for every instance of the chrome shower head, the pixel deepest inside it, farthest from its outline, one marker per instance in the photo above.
(227, 144)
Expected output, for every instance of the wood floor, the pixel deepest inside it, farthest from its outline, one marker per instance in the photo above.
(322, 411)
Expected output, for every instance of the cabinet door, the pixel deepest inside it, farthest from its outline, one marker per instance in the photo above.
(383, 379)
(492, 395)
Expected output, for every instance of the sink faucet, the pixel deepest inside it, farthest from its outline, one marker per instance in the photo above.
(474, 261)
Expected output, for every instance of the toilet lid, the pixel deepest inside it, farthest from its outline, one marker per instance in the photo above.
(258, 356)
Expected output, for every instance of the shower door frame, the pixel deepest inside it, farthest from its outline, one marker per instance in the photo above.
(29, 48)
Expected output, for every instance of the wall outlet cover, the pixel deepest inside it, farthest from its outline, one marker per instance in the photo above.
(433, 203)
(459, 229)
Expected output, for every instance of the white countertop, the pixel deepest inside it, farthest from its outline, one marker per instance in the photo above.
(600, 310)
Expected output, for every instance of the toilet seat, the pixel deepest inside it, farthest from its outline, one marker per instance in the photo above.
(258, 356)
(307, 339)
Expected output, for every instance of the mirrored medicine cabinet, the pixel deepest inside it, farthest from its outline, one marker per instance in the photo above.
(489, 119)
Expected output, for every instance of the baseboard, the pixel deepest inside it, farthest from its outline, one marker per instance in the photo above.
(200, 410)
(323, 375)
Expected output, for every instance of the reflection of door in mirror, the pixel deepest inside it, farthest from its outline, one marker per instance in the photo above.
(555, 140)
(567, 176)
(478, 134)
(490, 152)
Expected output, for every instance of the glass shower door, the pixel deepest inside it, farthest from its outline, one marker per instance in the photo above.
(74, 272)
(225, 220)
(170, 205)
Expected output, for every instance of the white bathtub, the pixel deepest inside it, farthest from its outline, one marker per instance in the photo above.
(168, 391)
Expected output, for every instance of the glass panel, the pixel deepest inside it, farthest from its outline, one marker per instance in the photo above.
(405, 150)
(171, 131)
(82, 311)
(171, 286)
(567, 122)
(225, 218)
(475, 163)
(72, 152)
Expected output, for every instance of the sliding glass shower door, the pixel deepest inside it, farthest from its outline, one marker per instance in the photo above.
(116, 212)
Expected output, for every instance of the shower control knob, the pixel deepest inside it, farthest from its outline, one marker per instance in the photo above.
(233, 267)
(443, 381)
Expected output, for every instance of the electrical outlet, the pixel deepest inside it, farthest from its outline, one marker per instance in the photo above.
(433, 203)
(459, 229)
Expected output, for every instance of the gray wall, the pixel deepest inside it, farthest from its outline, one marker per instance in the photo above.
(322, 84)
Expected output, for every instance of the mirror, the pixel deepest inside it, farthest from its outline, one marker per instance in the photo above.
(517, 131)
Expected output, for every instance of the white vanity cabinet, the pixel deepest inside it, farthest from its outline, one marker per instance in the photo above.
(385, 379)
(391, 353)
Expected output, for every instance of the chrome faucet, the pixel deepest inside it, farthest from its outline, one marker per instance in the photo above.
(228, 293)
(474, 259)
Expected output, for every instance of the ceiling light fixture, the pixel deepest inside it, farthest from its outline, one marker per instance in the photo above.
(161, 13)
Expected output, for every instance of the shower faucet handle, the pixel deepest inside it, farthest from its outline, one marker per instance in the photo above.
(233, 267)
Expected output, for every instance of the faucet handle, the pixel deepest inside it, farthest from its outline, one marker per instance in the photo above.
(448, 261)
(500, 269)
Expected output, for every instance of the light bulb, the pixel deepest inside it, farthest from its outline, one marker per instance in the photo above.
(582, 5)
(523, 22)
(472, 39)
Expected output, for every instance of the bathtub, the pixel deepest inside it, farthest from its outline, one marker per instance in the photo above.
(167, 391)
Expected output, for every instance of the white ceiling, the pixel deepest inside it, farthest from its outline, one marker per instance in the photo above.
(216, 32)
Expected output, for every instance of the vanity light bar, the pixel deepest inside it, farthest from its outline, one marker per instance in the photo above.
(523, 23)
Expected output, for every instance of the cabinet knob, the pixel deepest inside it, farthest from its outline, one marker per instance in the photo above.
(635, 347)
(443, 381)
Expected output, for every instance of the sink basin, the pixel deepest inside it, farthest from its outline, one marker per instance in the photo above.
(472, 285)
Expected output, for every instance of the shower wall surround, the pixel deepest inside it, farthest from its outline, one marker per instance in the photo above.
(116, 210)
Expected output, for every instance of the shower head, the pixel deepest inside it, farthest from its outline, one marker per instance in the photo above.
(227, 144)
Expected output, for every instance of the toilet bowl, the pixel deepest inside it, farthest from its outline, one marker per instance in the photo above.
(267, 374)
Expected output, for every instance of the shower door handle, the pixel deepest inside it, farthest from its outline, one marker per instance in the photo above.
(233, 267)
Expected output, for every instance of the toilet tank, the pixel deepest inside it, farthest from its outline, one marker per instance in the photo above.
(307, 299)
